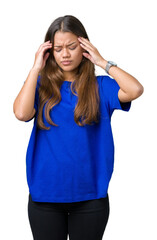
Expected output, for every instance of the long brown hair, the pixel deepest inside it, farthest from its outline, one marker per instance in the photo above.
(85, 83)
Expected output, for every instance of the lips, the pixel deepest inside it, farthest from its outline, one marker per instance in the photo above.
(66, 62)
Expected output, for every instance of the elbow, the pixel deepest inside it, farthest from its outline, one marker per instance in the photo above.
(138, 92)
(25, 117)
(19, 116)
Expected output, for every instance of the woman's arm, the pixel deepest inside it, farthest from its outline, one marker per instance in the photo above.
(130, 87)
(23, 106)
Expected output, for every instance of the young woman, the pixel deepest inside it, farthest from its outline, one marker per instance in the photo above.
(70, 155)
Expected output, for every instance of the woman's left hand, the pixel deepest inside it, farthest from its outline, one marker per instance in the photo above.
(93, 55)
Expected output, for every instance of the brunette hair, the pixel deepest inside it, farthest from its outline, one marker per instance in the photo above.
(84, 86)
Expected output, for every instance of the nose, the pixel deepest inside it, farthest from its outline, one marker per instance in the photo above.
(66, 53)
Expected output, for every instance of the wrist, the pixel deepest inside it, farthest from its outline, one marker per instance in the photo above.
(109, 65)
(35, 70)
(103, 64)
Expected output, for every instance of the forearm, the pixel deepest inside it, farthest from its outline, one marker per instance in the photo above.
(24, 102)
(130, 85)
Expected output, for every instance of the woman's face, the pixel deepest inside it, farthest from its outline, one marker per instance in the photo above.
(67, 48)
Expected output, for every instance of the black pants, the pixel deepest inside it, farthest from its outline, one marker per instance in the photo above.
(85, 220)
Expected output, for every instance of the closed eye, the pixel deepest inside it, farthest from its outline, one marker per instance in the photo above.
(72, 48)
(69, 48)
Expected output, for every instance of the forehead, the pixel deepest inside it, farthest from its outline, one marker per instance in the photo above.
(64, 38)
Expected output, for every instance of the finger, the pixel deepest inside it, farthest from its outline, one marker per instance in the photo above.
(86, 46)
(46, 56)
(45, 52)
(45, 44)
(84, 40)
(86, 55)
(45, 47)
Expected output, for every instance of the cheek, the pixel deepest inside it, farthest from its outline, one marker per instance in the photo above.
(56, 57)
(80, 50)
(79, 53)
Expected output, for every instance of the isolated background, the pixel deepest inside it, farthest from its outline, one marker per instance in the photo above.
(123, 31)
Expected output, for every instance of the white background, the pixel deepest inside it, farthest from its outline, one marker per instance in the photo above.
(124, 32)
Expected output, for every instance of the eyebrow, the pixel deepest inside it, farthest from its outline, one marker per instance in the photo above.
(67, 45)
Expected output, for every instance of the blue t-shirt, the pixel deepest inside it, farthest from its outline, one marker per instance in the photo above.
(70, 163)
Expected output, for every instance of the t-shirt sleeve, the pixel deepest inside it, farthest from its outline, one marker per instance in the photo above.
(110, 90)
(36, 98)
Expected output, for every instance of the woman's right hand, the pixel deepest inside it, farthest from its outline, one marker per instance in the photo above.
(41, 56)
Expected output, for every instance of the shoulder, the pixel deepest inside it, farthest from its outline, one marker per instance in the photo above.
(106, 82)
(105, 79)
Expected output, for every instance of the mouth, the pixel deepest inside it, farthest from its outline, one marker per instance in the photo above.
(66, 62)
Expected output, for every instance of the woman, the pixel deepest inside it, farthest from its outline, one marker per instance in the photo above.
(70, 154)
